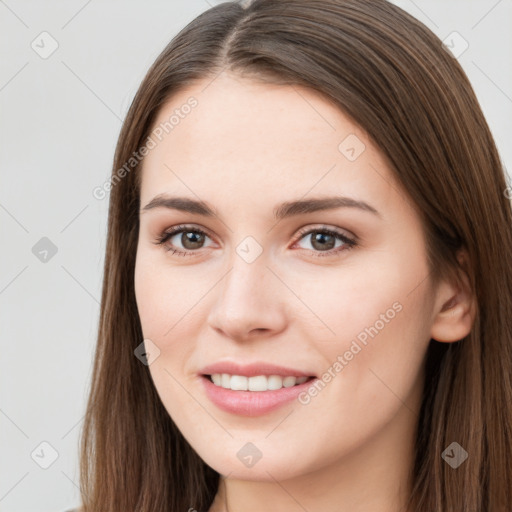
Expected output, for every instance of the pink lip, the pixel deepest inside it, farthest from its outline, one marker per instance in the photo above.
(253, 369)
(251, 403)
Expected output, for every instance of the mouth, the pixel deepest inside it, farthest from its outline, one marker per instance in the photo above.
(257, 383)
(255, 389)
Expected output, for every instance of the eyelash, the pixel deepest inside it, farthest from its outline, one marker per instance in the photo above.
(349, 243)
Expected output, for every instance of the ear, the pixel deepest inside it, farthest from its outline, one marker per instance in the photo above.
(455, 308)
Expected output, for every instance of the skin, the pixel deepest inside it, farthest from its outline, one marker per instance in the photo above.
(245, 148)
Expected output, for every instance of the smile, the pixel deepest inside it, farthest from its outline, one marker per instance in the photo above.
(256, 383)
(255, 395)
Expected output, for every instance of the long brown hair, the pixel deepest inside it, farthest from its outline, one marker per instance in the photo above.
(391, 75)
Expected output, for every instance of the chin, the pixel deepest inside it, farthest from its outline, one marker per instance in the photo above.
(244, 460)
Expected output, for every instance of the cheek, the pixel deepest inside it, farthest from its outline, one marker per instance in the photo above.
(164, 296)
(378, 319)
(162, 312)
(168, 301)
(151, 302)
(350, 299)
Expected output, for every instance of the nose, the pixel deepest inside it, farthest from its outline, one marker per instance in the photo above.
(249, 302)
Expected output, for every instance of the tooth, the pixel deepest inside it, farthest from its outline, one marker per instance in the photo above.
(288, 382)
(258, 383)
(238, 383)
(274, 382)
(225, 381)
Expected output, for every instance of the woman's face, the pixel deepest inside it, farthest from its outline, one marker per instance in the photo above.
(258, 288)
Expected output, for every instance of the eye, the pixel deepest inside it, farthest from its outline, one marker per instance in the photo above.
(323, 242)
(191, 239)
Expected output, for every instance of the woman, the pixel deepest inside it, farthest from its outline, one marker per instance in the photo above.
(307, 293)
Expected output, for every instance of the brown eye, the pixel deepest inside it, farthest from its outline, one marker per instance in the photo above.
(326, 241)
(322, 241)
(192, 239)
(183, 240)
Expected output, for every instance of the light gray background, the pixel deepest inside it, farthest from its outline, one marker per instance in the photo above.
(60, 118)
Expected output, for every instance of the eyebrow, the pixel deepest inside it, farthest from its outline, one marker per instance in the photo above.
(282, 211)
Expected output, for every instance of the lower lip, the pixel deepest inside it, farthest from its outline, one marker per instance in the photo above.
(251, 403)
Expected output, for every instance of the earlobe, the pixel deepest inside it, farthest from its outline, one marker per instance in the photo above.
(455, 315)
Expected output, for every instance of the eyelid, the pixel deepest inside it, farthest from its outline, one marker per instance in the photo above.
(324, 227)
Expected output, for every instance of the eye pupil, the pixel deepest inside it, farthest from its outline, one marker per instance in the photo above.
(192, 239)
(319, 238)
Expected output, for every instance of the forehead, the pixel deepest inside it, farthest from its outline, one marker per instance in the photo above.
(258, 140)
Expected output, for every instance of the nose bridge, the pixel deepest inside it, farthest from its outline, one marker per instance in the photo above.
(246, 282)
(247, 298)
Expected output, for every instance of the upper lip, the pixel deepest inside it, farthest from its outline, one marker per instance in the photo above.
(252, 369)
